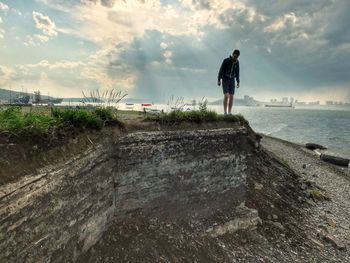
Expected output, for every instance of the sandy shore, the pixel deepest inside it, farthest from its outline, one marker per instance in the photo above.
(328, 221)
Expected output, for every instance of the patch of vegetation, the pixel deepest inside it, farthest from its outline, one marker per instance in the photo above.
(106, 114)
(15, 121)
(284, 162)
(233, 118)
(195, 116)
(106, 97)
(78, 117)
(316, 194)
(203, 114)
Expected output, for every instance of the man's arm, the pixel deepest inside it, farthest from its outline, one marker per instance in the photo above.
(237, 74)
(221, 72)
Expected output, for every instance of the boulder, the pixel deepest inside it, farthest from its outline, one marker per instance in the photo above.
(335, 160)
(314, 146)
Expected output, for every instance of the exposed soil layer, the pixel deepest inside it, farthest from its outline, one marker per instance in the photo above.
(279, 236)
(24, 155)
(297, 225)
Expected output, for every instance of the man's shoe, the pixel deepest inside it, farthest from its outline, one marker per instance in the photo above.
(229, 113)
(225, 113)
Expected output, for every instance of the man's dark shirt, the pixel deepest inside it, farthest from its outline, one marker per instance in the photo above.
(229, 70)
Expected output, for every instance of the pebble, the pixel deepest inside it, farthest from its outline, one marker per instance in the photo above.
(316, 242)
(278, 225)
(258, 186)
(333, 241)
(330, 221)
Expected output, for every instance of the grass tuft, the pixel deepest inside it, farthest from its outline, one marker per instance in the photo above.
(14, 122)
(195, 116)
(78, 117)
(316, 194)
(105, 114)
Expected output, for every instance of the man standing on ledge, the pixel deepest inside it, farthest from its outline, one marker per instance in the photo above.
(229, 71)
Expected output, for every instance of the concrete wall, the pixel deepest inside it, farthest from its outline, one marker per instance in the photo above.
(177, 172)
(58, 214)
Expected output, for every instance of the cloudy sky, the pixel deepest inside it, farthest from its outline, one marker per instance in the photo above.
(153, 49)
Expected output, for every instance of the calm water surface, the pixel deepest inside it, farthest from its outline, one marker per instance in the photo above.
(329, 127)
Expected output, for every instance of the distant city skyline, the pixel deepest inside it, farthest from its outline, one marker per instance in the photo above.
(158, 48)
(247, 98)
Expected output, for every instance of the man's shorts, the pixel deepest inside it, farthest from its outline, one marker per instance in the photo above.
(228, 86)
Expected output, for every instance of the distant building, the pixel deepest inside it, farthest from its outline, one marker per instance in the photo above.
(314, 103)
(249, 101)
(329, 102)
(285, 100)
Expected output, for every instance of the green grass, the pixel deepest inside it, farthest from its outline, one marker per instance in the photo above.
(316, 194)
(105, 114)
(194, 116)
(19, 122)
(78, 117)
(14, 122)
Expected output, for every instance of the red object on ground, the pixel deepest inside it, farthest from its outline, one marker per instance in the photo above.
(146, 104)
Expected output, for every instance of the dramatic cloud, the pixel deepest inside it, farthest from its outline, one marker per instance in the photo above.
(63, 64)
(108, 3)
(282, 22)
(5, 75)
(93, 73)
(45, 24)
(108, 22)
(157, 48)
(3, 7)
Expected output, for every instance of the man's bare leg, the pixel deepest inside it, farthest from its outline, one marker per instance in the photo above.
(230, 103)
(227, 95)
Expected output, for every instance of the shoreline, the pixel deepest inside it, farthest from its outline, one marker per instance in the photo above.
(331, 216)
(301, 146)
(329, 151)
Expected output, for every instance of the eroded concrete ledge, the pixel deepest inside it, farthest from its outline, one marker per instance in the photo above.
(173, 174)
(180, 173)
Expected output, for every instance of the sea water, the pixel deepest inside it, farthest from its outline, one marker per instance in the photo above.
(329, 127)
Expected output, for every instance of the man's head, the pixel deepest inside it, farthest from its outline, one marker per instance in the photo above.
(235, 54)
